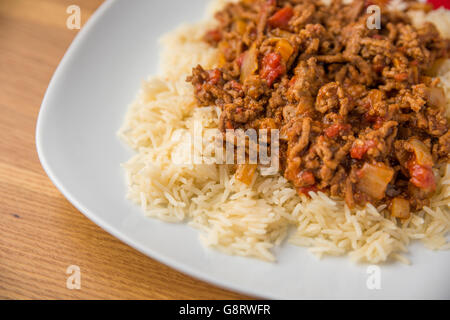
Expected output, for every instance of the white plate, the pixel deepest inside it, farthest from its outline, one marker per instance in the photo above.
(77, 145)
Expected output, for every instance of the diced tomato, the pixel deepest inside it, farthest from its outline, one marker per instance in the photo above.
(378, 123)
(377, 36)
(422, 176)
(240, 59)
(307, 178)
(333, 130)
(292, 81)
(306, 190)
(281, 18)
(401, 76)
(214, 76)
(376, 120)
(236, 85)
(213, 36)
(272, 67)
(360, 148)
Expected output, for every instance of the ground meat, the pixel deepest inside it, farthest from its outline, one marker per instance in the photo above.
(358, 116)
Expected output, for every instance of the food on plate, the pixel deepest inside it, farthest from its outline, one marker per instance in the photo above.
(362, 115)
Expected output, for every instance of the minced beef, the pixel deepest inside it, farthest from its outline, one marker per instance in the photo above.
(359, 112)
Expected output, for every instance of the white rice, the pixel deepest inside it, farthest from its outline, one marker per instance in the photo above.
(250, 221)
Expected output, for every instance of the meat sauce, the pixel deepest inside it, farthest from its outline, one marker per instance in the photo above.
(360, 115)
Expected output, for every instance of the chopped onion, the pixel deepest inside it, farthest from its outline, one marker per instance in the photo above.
(436, 97)
(433, 71)
(421, 152)
(249, 64)
(374, 179)
(400, 208)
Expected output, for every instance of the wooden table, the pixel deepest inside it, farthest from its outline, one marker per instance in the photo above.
(41, 233)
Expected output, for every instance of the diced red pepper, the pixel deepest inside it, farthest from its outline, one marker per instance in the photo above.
(272, 67)
(281, 18)
(422, 176)
(359, 148)
(377, 36)
(333, 130)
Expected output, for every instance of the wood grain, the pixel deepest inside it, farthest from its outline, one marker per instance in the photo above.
(41, 233)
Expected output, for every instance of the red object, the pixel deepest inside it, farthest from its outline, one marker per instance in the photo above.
(236, 85)
(229, 125)
(376, 120)
(307, 178)
(306, 190)
(333, 130)
(213, 36)
(272, 67)
(440, 3)
(281, 18)
(359, 149)
(401, 76)
(422, 176)
(214, 76)
(240, 59)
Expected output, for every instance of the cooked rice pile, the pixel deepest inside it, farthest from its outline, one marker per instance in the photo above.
(251, 220)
